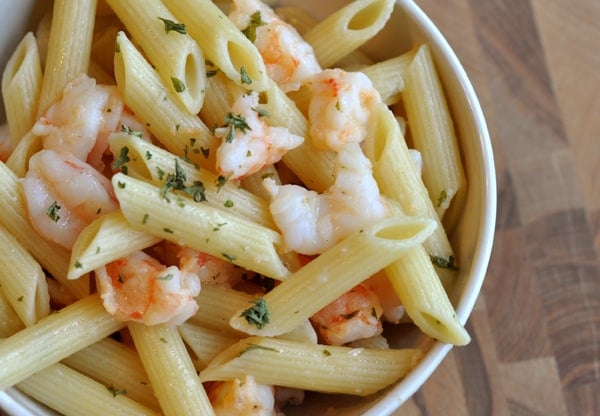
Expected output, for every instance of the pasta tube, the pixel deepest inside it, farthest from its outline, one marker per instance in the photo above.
(324, 368)
(174, 54)
(331, 274)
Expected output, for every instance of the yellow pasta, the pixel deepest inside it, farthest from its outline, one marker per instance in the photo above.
(333, 273)
(322, 368)
(21, 84)
(174, 54)
(347, 29)
(22, 280)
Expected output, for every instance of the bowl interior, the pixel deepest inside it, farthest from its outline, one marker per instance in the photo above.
(471, 237)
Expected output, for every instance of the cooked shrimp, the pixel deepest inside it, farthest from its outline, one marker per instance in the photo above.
(6, 147)
(139, 288)
(312, 222)
(289, 59)
(210, 269)
(83, 118)
(63, 195)
(241, 398)
(339, 107)
(249, 143)
(393, 311)
(352, 316)
(84, 112)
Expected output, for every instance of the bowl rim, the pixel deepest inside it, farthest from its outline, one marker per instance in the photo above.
(407, 387)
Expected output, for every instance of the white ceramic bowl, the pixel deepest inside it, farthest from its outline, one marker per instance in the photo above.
(472, 237)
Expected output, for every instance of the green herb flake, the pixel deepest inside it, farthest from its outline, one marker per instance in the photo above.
(163, 340)
(244, 77)
(148, 155)
(442, 198)
(20, 298)
(229, 257)
(444, 263)
(174, 181)
(165, 277)
(78, 264)
(171, 26)
(221, 181)
(130, 131)
(251, 346)
(52, 211)
(117, 47)
(160, 173)
(327, 353)
(145, 219)
(228, 203)
(262, 112)
(178, 84)
(122, 159)
(235, 122)
(121, 185)
(196, 190)
(116, 392)
(258, 314)
(168, 230)
(255, 22)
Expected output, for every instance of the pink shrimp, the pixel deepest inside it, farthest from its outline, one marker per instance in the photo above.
(354, 315)
(139, 288)
(242, 397)
(289, 59)
(63, 195)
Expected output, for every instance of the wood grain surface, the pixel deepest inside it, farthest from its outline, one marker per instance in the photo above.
(535, 65)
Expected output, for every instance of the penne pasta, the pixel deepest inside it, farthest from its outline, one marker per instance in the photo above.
(332, 274)
(164, 356)
(144, 92)
(106, 239)
(53, 338)
(116, 366)
(66, 396)
(69, 47)
(432, 131)
(347, 29)
(10, 322)
(199, 226)
(325, 368)
(166, 44)
(21, 84)
(22, 280)
(221, 42)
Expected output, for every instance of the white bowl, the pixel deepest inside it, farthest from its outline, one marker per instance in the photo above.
(472, 237)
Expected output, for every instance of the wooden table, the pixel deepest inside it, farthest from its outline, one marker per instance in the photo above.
(536, 328)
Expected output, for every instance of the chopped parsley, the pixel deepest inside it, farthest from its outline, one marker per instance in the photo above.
(116, 392)
(235, 122)
(148, 155)
(258, 314)
(442, 198)
(168, 230)
(52, 212)
(130, 131)
(165, 277)
(171, 26)
(228, 203)
(221, 181)
(229, 257)
(178, 84)
(196, 190)
(244, 77)
(444, 263)
(122, 159)
(255, 22)
(327, 353)
(262, 112)
(121, 185)
(20, 298)
(78, 264)
(251, 346)
(177, 181)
